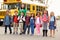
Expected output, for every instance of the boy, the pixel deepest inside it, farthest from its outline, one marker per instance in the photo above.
(7, 21)
(21, 19)
(15, 22)
(27, 22)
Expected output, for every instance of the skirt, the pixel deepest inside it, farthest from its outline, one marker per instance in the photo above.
(51, 26)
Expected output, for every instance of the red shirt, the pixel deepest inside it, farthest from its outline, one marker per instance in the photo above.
(15, 19)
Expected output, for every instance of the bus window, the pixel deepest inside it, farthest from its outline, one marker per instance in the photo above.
(37, 8)
(41, 8)
(28, 7)
(33, 7)
(12, 6)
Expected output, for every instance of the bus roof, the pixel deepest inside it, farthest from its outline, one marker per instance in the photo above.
(33, 2)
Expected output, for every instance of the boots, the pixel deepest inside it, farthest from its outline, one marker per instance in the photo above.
(44, 33)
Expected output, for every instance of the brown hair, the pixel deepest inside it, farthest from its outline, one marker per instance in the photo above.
(33, 14)
(38, 13)
(15, 11)
(46, 13)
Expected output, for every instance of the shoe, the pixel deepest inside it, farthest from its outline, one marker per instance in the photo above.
(20, 33)
(5, 33)
(10, 32)
(13, 32)
(16, 32)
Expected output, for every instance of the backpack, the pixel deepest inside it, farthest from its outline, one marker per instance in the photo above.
(45, 18)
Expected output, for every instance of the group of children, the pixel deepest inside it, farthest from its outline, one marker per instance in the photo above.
(31, 21)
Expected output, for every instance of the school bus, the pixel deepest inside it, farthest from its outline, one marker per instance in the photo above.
(13, 5)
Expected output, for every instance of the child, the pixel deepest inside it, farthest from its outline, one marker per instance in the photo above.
(21, 19)
(15, 23)
(32, 23)
(52, 24)
(27, 22)
(38, 22)
(45, 20)
(7, 21)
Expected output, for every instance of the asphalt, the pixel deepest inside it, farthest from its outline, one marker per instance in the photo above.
(29, 37)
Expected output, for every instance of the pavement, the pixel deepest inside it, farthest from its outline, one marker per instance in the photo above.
(29, 37)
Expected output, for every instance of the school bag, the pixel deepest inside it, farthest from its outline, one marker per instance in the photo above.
(54, 21)
(45, 18)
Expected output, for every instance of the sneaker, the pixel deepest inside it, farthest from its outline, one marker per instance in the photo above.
(5, 33)
(16, 32)
(13, 32)
(20, 33)
(10, 32)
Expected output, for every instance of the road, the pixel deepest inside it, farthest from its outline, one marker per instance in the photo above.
(29, 37)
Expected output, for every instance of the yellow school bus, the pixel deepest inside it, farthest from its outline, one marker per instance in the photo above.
(13, 5)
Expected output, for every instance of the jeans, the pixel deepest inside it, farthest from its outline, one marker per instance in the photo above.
(27, 26)
(9, 28)
(32, 29)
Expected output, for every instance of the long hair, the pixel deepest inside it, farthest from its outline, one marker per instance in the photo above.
(38, 13)
(21, 6)
(33, 15)
(46, 13)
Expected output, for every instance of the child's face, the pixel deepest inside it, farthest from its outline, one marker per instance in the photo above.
(45, 12)
(7, 13)
(27, 14)
(52, 14)
(38, 14)
(16, 13)
(32, 15)
(22, 5)
(22, 14)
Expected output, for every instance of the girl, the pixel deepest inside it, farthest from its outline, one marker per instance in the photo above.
(22, 9)
(52, 24)
(45, 22)
(15, 23)
(32, 22)
(38, 22)
(21, 19)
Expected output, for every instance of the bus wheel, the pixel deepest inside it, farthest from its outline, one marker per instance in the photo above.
(1, 23)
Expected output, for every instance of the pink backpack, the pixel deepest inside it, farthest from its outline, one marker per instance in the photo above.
(45, 18)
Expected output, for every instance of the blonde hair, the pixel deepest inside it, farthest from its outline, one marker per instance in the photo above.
(51, 14)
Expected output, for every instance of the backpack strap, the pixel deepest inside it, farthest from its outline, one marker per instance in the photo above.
(54, 19)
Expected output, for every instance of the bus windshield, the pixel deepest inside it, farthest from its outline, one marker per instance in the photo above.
(12, 6)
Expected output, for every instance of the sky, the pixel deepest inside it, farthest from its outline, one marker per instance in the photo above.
(53, 5)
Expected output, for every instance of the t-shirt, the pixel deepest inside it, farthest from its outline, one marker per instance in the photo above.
(52, 18)
(38, 20)
(21, 18)
(27, 20)
(7, 20)
(15, 19)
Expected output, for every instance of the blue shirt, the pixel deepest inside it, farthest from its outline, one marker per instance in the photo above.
(52, 18)
(7, 20)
